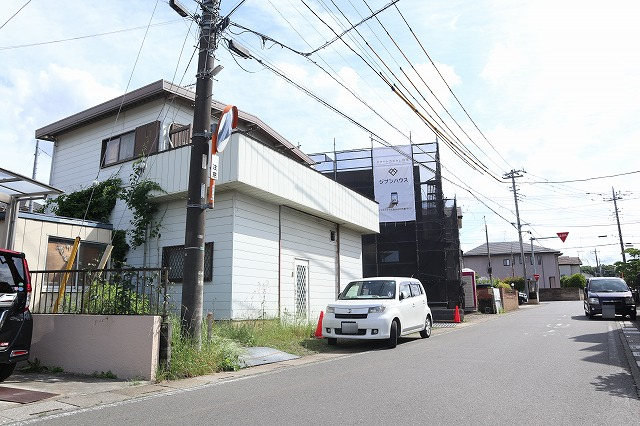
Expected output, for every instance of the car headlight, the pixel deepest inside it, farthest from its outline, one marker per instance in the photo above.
(593, 300)
(330, 310)
(628, 300)
(376, 309)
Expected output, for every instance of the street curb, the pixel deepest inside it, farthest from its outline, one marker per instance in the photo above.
(632, 337)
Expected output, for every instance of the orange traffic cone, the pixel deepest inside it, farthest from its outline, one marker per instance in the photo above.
(318, 333)
(456, 315)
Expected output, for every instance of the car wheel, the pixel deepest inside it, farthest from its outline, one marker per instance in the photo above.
(6, 370)
(589, 315)
(332, 341)
(427, 328)
(393, 335)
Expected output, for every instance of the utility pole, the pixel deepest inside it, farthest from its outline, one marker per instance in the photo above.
(193, 275)
(615, 206)
(513, 174)
(598, 269)
(35, 169)
(486, 234)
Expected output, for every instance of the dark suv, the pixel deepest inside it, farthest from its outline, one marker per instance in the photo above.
(16, 323)
(608, 296)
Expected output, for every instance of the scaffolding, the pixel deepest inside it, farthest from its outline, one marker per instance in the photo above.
(427, 248)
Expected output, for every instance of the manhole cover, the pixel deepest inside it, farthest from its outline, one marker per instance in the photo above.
(23, 396)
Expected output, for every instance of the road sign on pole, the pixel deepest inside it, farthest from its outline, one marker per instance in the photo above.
(219, 139)
(562, 235)
(536, 277)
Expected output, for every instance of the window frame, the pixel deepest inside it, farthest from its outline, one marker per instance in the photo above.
(506, 261)
(54, 287)
(208, 262)
(140, 142)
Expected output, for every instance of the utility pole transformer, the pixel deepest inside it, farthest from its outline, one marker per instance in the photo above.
(513, 174)
(193, 275)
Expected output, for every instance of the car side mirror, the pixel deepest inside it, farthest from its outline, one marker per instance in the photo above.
(403, 295)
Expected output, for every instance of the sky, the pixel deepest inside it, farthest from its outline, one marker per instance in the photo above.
(552, 86)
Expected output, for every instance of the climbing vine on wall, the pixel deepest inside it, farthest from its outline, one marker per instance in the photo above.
(101, 203)
(137, 198)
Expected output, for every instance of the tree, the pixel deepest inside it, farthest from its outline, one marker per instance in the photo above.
(631, 269)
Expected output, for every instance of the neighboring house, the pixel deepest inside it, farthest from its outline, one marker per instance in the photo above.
(569, 265)
(506, 262)
(281, 239)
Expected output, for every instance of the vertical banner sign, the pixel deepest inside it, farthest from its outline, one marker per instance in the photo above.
(393, 183)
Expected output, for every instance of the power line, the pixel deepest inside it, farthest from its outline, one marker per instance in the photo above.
(586, 179)
(14, 15)
(449, 87)
(41, 43)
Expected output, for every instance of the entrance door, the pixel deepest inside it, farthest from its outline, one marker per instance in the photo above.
(301, 268)
(552, 282)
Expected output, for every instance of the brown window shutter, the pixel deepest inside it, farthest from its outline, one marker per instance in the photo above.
(147, 138)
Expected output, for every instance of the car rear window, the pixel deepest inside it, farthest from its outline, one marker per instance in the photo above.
(11, 273)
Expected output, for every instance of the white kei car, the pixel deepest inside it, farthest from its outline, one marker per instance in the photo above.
(378, 308)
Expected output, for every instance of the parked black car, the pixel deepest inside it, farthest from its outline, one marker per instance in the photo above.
(16, 322)
(608, 295)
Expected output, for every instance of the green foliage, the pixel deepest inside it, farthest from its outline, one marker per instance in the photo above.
(573, 281)
(75, 204)
(36, 366)
(517, 281)
(120, 248)
(104, 375)
(218, 354)
(631, 269)
(136, 196)
(116, 296)
(501, 284)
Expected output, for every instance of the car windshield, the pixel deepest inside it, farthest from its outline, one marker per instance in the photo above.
(369, 290)
(603, 286)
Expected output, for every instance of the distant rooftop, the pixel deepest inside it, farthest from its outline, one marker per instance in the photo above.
(507, 248)
(568, 260)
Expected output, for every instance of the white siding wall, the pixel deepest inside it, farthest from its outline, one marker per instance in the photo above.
(307, 237)
(350, 256)
(218, 228)
(255, 261)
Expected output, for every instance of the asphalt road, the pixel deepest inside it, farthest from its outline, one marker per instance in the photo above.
(544, 364)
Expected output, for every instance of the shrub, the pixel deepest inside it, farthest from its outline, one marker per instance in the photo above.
(517, 281)
(500, 284)
(573, 281)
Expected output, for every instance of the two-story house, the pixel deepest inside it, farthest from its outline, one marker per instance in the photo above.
(281, 238)
(506, 262)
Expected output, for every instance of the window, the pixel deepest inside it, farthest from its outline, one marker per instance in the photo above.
(375, 289)
(415, 289)
(179, 135)
(506, 261)
(58, 253)
(173, 258)
(539, 259)
(404, 287)
(519, 259)
(141, 141)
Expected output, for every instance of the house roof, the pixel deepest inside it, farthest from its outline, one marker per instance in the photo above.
(156, 89)
(507, 247)
(568, 260)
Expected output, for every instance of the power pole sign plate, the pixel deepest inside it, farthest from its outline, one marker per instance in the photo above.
(215, 161)
(562, 235)
(536, 277)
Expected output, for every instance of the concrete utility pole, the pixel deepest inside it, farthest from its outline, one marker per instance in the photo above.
(598, 269)
(486, 234)
(193, 275)
(615, 205)
(513, 174)
(35, 169)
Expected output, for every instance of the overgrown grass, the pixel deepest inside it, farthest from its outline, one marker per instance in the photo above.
(295, 338)
(219, 354)
(228, 338)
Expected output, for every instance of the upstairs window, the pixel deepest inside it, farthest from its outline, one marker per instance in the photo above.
(506, 261)
(141, 141)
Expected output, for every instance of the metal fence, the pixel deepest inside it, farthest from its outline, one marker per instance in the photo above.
(129, 291)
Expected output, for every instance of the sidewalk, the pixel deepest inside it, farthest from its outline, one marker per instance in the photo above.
(74, 392)
(630, 336)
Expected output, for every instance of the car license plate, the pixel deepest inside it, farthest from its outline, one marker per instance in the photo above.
(608, 310)
(349, 327)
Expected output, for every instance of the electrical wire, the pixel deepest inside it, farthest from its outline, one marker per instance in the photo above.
(584, 179)
(14, 15)
(42, 43)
